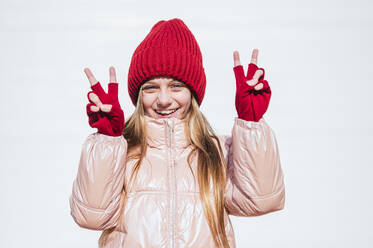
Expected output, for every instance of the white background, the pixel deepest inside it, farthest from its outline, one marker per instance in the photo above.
(318, 61)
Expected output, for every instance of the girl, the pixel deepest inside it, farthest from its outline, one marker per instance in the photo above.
(163, 178)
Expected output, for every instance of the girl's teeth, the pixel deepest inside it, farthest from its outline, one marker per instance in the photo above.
(166, 112)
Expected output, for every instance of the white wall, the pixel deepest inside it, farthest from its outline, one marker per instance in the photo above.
(317, 56)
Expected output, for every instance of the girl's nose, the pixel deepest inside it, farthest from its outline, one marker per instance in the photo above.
(164, 99)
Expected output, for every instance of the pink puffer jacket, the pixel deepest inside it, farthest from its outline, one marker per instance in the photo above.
(164, 208)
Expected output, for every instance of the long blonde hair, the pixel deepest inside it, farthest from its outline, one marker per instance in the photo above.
(211, 165)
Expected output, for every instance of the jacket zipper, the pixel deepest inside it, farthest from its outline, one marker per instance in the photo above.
(172, 182)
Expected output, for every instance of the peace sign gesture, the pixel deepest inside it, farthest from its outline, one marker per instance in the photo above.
(252, 91)
(103, 110)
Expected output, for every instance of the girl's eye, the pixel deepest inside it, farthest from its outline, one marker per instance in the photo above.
(177, 85)
(149, 87)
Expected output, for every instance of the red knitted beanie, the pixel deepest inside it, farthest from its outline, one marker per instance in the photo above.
(170, 49)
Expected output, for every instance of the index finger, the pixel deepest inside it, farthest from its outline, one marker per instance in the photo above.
(90, 76)
(254, 56)
(113, 77)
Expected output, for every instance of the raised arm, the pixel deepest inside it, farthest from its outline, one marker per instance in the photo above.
(256, 182)
(96, 195)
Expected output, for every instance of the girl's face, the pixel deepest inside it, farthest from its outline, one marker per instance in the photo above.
(165, 97)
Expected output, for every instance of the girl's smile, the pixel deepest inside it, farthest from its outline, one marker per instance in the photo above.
(167, 113)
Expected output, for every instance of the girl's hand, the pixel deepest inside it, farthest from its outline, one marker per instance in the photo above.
(252, 91)
(104, 111)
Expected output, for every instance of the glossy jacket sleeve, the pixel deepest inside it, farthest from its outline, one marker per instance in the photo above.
(256, 181)
(96, 193)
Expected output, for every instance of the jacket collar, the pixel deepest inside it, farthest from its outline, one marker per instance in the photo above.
(169, 132)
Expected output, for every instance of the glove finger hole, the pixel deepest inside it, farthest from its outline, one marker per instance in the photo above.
(92, 108)
(262, 76)
(93, 98)
(259, 86)
(88, 96)
(265, 84)
(106, 107)
(251, 83)
(258, 74)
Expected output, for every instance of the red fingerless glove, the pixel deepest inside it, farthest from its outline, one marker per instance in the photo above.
(108, 123)
(251, 104)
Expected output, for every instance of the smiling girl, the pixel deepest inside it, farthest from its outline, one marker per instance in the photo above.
(164, 178)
